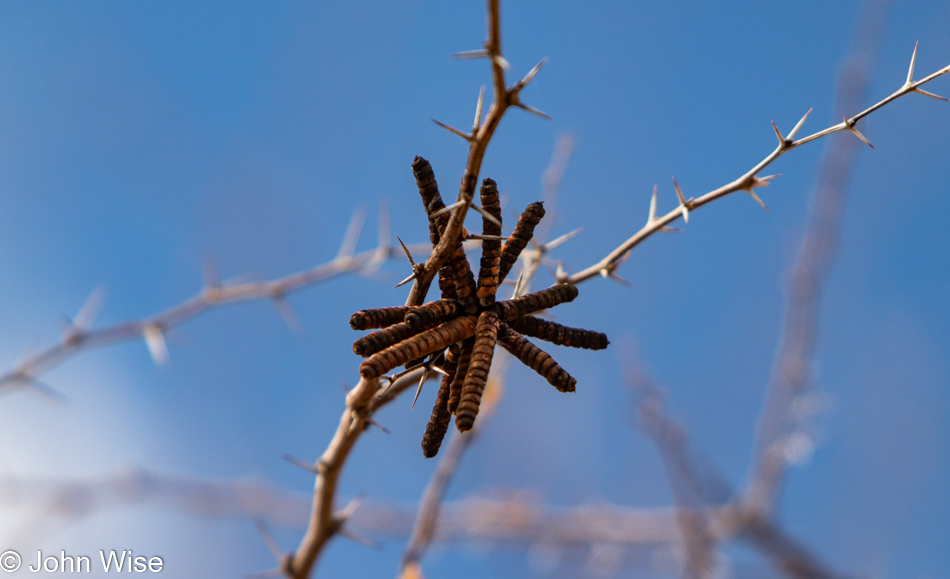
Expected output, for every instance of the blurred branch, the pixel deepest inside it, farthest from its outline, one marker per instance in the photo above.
(79, 336)
(782, 436)
(41, 499)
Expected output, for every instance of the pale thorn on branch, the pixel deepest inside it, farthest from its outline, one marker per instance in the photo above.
(849, 124)
(384, 247)
(478, 111)
(684, 204)
(453, 130)
(798, 125)
(287, 312)
(652, 215)
(412, 264)
(352, 235)
(76, 328)
(754, 182)
(468, 203)
(212, 283)
(910, 78)
(299, 462)
(155, 341)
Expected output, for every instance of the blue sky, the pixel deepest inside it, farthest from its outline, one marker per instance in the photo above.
(137, 138)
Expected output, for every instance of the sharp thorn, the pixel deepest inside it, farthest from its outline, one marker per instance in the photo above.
(757, 200)
(425, 374)
(857, 133)
(652, 217)
(300, 463)
(562, 239)
(619, 279)
(531, 74)
(913, 61)
(798, 125)
(486, 214)
(405, 281)
(406, 251)
(453, 130)
(359, 538)
(448, 208)
(533, 111)
(352, 234)
(210, 271)
(778, 133)
(478, 110)
(268, 539)
(378, 425)
(682, 200)
(501, 61)
(155, 341)
(287, 313)
(470, 54)
(929, 94)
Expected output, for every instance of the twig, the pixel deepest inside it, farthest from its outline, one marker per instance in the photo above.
(361, 402)
(750, 180)
(152, 329)
(478, 139)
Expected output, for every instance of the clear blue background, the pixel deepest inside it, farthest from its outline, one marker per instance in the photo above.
(136, 138)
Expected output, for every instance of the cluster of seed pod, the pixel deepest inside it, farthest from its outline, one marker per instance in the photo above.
(463, 327)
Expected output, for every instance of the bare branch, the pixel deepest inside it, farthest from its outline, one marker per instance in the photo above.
(744, 182)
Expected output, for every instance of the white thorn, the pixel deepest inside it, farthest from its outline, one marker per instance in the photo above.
(913, 61)
(155, 340)
(352, 234)
(791, 135)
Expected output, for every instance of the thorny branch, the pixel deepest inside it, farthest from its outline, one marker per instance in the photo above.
(750, 180)
(152, 329)
(478, 139)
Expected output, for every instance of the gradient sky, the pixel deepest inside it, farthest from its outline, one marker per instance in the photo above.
(138, 138)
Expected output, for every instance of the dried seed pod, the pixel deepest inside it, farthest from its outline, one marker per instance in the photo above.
(432, 312)
(455, 389)
(491, 248)
(540, 300)
(536, 359)
(486, 333)
(461, 273)
(560, 335)
(439, 420)
(447, 284)
(378, 318)
(418, 346)
(431, 198)
(520, 237)
(380, 339)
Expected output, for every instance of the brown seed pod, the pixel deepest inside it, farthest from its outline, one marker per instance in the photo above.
(380, 339)
(432, 312)
(486, 333)
(440, 418)
(560, 335)
(431, 198)
(519, 238)
(455, 389)
(418, 346)
(461, 273)
(536, 301)
(491, 248)
(378, 318)
(536, 359)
